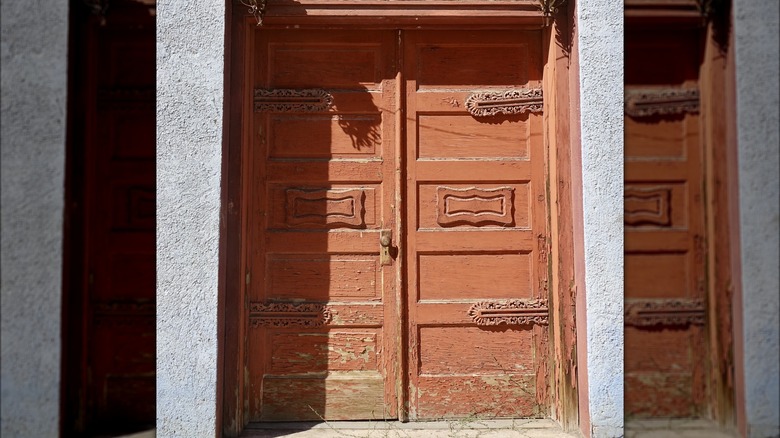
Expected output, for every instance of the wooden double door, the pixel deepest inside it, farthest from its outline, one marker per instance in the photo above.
(395, 225)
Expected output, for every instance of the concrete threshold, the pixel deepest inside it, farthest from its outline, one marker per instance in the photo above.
(676, 428)
(464, 428)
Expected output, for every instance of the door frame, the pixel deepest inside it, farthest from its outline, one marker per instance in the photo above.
(564, 397)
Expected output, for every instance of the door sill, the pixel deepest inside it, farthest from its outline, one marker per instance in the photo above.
(464, 427)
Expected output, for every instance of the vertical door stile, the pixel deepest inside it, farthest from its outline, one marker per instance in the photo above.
(401, 364)
(410, 191)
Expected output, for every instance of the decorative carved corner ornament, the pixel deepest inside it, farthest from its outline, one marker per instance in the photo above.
(282, 315)
(549, 8)
(491, 103)
(286, 100)
(256, 8)
(510, 312)
(679, 312)
(662, 101)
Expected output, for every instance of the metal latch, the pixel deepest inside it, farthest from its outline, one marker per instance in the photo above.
(385, 245)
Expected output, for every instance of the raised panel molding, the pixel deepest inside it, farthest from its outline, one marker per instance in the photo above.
(665, 312)
(474, 206)
(510, 312)
(647, 206)
(326, 207)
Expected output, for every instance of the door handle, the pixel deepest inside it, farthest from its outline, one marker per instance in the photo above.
(385, 246)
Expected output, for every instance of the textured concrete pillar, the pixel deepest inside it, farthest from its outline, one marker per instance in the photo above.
(756, 27)
(190, 66)
(599, 29)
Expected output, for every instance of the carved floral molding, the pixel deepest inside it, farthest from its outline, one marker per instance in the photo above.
(510, 312)
(492, 103)
(661, 101)
(292, 100)
(665, 312)
(289, 315)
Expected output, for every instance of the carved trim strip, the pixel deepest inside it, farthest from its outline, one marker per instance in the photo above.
(474, 206)
(286, 100)
(491, 103)
(661, 101)
(510, 312)
(665, 312)
(326, 207)
(647, 206)
(289, 315)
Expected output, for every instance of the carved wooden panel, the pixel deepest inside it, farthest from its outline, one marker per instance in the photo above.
(326, 207)
(474, 206)
(289, 315)
(647, 206)
(291, 100)
(668, 312)
(491, 103)
(510, 312)
(661, 101)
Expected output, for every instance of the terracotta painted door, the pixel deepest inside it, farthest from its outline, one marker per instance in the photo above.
(664, 218)
(323, 309)
(475, 218)
(389, 228)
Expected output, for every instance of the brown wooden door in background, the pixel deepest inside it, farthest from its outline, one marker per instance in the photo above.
(109, 357)
(664, 219)
(336, 329)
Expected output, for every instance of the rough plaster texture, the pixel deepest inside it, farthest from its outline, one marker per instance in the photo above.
(600, 51)
(756, 49)
(190, 69)
(33, 106)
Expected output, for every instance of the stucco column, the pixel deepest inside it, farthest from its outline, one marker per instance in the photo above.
(599, 241)
(34, 102)
(756, 27)
(190, 89)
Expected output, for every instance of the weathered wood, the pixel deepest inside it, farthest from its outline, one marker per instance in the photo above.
(470, 225)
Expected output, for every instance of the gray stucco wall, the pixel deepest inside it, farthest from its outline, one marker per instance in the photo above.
(32, 125)
(190, 63)
(756, 30)
(600, 50)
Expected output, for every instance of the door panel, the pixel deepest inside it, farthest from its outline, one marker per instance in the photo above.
(664, 221)
(323, 323)
(475, 206)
